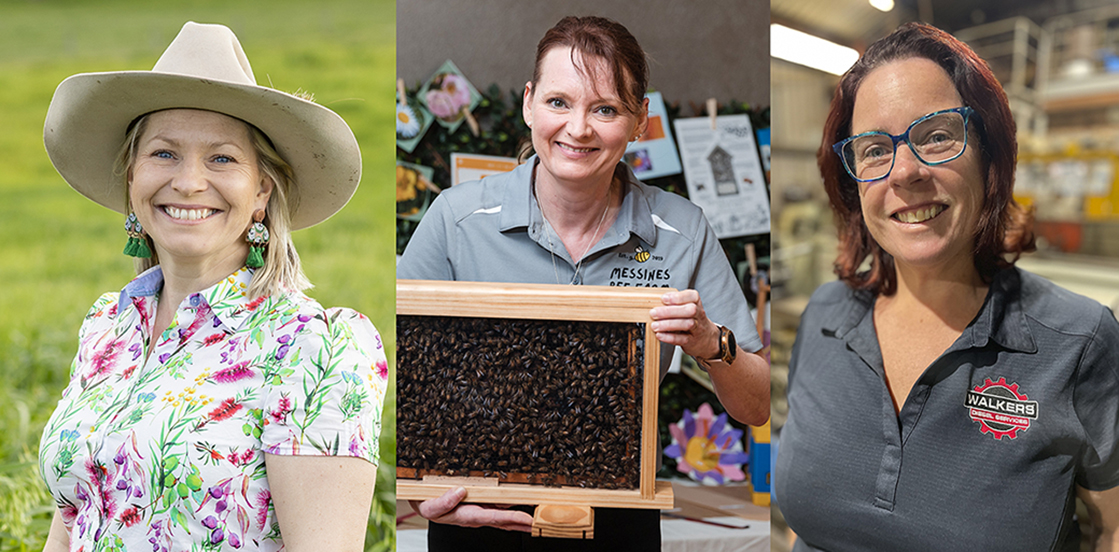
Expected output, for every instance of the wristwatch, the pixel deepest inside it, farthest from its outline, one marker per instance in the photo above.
(728, 349)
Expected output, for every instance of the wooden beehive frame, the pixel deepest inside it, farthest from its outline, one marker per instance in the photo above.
(549, 302)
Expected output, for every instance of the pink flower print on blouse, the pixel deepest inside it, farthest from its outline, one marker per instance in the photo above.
(224, 411)
(233, 373)
(227, 408)
(171, 456)
(201, 315)
(102, 363)
(98, 475)
(263, 503)
(241, 458)
(283, 408)
(130, 517)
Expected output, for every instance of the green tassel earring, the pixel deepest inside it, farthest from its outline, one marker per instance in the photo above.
(137, 245)
(257, 238)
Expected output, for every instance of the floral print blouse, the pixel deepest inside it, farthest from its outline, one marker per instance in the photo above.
(163, 449)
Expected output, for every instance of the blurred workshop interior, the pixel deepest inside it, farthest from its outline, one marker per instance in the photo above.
(1058, 61)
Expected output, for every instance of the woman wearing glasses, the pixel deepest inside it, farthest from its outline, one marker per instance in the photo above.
(942, 399)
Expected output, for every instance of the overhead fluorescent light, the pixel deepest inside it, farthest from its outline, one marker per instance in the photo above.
(812, 51)
(883, 5)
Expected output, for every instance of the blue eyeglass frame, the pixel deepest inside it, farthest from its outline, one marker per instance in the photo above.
(965, 111)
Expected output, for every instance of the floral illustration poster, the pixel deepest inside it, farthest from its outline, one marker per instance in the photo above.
(449, 96)
(412, 121)
(413, 190)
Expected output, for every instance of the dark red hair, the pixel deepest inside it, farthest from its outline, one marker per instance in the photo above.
(1005, 228)
(605, 39)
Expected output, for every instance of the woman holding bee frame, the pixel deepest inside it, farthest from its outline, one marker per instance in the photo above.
(573, 213)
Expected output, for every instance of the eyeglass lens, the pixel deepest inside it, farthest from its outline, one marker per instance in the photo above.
(934, 139)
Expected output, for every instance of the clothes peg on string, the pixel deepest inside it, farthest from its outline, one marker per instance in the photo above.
(471, 122)
(761, 284)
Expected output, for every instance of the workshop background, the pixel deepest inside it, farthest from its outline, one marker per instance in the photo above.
(1059, 64)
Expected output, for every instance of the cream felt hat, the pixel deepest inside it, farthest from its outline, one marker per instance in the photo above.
(203, 68)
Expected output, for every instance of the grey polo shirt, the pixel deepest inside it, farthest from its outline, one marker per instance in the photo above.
(492, 230)
(986, 450)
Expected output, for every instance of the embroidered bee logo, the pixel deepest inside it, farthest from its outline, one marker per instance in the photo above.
(641, 255)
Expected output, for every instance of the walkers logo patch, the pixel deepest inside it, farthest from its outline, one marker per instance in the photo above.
(1000, 409)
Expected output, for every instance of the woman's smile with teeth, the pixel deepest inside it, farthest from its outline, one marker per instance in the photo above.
(919, 215)
(187, 214)
(574, 149)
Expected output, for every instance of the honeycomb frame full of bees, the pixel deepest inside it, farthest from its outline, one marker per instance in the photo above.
(528, 393)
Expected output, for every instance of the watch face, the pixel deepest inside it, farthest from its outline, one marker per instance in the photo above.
(731, 350)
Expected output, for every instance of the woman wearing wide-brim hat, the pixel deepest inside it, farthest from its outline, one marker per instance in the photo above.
(212, 405)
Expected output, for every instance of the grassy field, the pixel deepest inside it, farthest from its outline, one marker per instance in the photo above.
(59, 251)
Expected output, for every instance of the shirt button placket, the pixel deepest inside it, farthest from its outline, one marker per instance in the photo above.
(885, 487)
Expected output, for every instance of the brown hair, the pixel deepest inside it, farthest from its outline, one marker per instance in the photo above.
(1005, 228)
(605, 39)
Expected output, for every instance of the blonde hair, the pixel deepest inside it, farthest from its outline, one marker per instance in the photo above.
(282, 270)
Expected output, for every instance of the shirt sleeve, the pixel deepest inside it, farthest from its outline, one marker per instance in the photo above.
(1096, 401)
(427, 256)
(718, 288)
(330, 402)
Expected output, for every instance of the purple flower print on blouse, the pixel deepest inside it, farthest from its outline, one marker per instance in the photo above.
(355, 447)
(227, 393)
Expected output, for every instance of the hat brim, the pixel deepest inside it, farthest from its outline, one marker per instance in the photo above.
(89, 116)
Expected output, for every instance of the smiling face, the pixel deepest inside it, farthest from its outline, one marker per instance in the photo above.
(195, 184)
(580, 126)
(923, 216)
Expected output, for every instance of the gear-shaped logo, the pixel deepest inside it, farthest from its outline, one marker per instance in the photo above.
(1000, 408)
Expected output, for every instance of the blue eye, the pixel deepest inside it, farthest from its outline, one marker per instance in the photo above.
(224, 159)
(163, 154)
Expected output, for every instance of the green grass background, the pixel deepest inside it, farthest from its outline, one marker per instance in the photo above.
(59, 251)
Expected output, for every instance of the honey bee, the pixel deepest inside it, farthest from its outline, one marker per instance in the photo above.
(641, 255)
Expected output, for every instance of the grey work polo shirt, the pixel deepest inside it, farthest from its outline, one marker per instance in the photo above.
(492, 230)
(989, 445)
